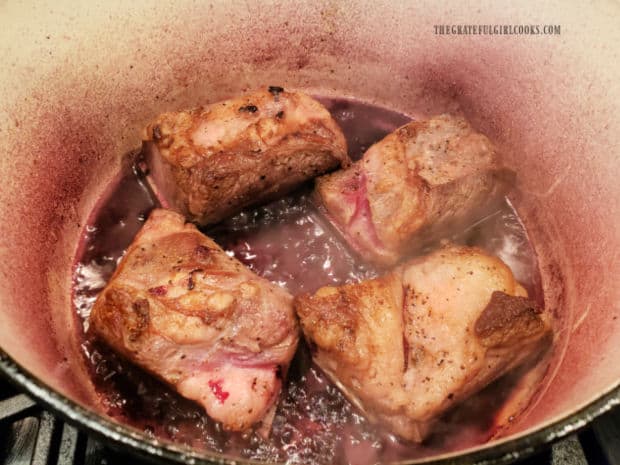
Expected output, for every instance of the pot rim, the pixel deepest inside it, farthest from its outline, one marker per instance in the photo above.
(116, 434)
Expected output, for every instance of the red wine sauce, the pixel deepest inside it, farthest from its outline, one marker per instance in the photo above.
(289, 243)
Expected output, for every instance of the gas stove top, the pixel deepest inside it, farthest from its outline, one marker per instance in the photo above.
(30, 435)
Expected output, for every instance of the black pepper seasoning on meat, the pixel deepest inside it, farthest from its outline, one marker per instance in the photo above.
(190, 281)
(249, 109)
(156, 132)
(405, 353)
(275, 91)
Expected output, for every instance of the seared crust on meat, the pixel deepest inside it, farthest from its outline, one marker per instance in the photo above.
(210, 162)
(407, 346)
(342, 322)
(507, 317)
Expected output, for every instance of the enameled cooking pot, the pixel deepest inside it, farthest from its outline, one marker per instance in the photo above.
(79, 80)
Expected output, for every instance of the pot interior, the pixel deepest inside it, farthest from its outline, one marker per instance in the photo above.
(81, 81)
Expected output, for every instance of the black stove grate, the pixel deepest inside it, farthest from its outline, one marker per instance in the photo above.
(30, 435)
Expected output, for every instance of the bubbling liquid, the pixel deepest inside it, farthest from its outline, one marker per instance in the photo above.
(289, 243)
